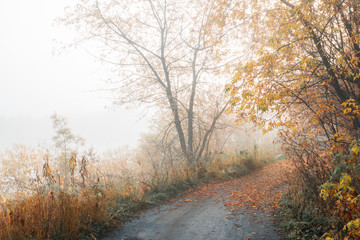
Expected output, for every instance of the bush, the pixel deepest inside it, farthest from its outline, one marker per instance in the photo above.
(334, 212)
(302, 213)
(342, 195)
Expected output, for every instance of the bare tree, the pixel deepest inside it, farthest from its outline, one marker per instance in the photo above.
(67, 143)
(166, 56)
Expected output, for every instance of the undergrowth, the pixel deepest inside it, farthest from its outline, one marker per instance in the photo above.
(332, 210)
(88, 208)
(302, 213)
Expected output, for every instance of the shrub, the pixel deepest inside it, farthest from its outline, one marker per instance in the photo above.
(342, 195)
(332, 213)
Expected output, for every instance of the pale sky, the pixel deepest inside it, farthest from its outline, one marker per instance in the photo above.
(34, 84)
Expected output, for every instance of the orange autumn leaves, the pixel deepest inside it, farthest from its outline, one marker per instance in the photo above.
(260, 190)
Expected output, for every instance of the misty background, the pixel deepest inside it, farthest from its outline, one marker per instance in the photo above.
(38, 78)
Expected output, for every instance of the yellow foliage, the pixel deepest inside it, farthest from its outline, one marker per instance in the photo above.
(344, 198)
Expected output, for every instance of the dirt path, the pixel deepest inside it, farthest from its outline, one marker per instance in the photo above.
(237, 209)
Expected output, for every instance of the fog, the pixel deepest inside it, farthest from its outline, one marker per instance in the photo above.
(103, 130)
(35, 82)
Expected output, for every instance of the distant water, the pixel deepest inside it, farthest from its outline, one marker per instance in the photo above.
(103, 131)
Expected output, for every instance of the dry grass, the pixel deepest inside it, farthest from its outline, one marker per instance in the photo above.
(303, 215)
(84, 212)
(55, 215)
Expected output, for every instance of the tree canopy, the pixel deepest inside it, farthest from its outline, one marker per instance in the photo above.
(165, 55)
(303, 77)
